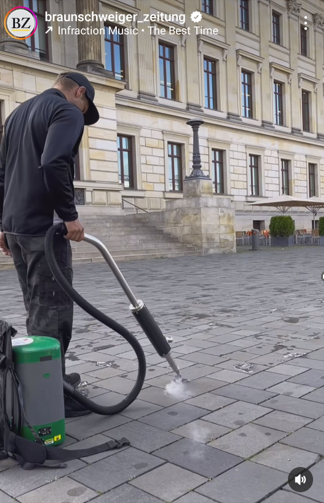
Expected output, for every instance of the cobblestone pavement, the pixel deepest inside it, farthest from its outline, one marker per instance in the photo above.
(248, 333)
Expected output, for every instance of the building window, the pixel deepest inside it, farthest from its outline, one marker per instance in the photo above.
(312, 179)
(276, 38)
(303, 41)
(254, 175)
(114, 52)
(244, 15)
(285, 177)
(305, 110)
(167, 81)
(278, 103)
(207, 6)
(210, 84)
(247, 94)
(39, 41)
(175, 166)
(77, 173)
(218, 171)
(125, 161)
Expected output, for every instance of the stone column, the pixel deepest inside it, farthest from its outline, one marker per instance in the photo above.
(319, 27)
(147, 61)
(233, 108)
(89, 47)
(293, 21)
(6, 42)
(266, 110)
(191, 47)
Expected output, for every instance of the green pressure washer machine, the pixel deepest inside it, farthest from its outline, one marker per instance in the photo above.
(37, 364)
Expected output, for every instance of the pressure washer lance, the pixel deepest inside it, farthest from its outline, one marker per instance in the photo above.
(139, 310)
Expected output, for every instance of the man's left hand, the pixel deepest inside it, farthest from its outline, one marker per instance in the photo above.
(3, 247)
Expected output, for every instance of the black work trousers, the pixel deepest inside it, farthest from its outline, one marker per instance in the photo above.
(49, 308)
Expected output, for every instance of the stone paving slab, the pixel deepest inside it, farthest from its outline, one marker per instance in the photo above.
(127, 494)
(283, 421)
(245, 483)
(65, 489)
(169, 482)
(16, 482)
(116, 470)
(173, 417)
(308, 439)
(4, 498)
(248, 440)
(221, 315)
(201, 431)
(198, 458)
(285, 458)
(245, 393)
(285, 497)
(237, 414)
(144, 437)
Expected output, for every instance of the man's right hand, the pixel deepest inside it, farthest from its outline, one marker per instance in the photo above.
(75, 231)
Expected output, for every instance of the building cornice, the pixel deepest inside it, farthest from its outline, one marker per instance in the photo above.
(168, 111)
(205, 39)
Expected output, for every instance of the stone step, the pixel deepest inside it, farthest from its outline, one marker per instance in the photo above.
(127, 237)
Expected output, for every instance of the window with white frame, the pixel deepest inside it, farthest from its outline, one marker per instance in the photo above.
(285, 164)
(312, 173)
(207, 6)
(167, 71)
(276, 27)
(246, 84)
(278, 88)
(218, 171)
(210, 83)
(175, 166)
(254, 168)
(125, 149)
(245, 15)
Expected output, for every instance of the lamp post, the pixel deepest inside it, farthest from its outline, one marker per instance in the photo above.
(197, 172)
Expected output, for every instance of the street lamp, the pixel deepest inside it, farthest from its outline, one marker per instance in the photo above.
(197, 172)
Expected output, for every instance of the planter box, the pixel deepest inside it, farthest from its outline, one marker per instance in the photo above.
(321, 240)
(282, 242)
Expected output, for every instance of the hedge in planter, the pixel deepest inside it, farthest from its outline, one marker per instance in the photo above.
(321, 230)
(282, 230)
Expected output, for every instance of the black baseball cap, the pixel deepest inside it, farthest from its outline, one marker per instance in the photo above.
(92, 114)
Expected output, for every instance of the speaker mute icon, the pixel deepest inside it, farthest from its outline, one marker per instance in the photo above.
(300, 479)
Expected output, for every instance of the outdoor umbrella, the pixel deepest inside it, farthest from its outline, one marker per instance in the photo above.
(284, 202)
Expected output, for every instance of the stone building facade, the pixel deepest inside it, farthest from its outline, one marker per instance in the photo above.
(248, 68)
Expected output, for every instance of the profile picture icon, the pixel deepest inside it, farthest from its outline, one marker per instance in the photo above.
(20, 23)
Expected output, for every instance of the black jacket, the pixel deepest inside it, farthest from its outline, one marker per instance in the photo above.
(41, 138)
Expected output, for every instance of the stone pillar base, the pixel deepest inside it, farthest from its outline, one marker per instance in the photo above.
(16, 46)
(94, 67)
(200, 219)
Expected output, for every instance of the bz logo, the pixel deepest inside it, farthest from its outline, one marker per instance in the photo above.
(20, 23)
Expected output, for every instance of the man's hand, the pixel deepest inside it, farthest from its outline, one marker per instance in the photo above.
(75, 231)
(3, 247)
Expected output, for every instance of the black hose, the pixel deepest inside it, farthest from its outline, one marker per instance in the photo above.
(109, 322)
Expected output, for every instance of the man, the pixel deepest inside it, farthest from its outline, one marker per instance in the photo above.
(41, 138)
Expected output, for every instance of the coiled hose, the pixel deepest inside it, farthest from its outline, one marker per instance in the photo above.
(98, 315)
